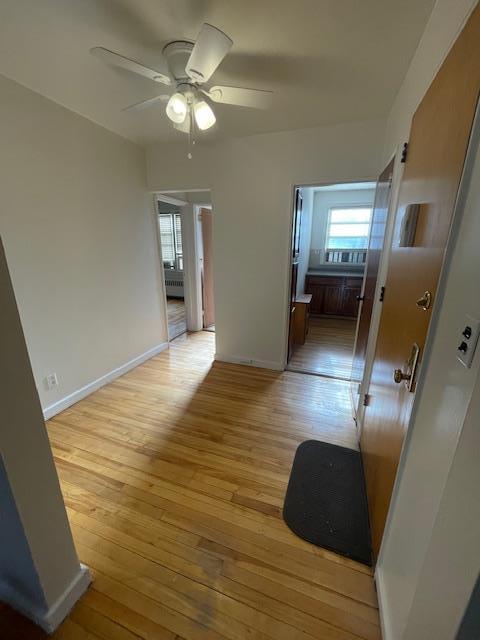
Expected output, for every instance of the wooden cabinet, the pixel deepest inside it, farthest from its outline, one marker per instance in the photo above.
(318, 295)
(351, 290)
(301, 317)
(333, 300)
(333, 295)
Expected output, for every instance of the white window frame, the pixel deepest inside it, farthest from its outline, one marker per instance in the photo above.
(337, 207)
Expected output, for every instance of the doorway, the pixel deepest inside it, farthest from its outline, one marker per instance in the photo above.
(185, 236)
(330, 235)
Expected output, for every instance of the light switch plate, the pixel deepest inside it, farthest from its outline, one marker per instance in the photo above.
(468, 340)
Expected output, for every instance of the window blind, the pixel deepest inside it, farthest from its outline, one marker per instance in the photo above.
(348, 228)
(167, 239)
(178, 234)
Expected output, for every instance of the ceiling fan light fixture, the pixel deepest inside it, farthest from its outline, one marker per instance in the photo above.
(188, 67)
(204, 116)
(177, 108)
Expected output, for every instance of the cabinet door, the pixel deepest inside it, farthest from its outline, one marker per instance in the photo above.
(332, 303)
(317, 291)
(350, 302)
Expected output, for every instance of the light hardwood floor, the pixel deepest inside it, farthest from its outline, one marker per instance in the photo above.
(177, 323)
(174, 477)
(328, 349)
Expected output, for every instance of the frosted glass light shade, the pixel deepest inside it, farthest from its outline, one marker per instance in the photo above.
(177, 108)
(204, 116)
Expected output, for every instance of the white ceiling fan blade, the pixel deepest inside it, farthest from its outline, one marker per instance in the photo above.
(144, 104)
(254, 98)
(131, 65)
(211, 47)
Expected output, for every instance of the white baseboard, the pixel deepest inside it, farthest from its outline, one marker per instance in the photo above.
(382, 609)
(72, 398)
(49, 620)
(263, 364)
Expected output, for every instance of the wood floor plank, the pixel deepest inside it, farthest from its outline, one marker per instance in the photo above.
(174, 477)
(139, 625)
(103, 626)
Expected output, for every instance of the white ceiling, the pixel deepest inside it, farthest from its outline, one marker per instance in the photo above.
(327, 61)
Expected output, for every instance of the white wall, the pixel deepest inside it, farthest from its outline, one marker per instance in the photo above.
(40, 574)
(443, 27)
(323, 201)
(251, 181)
(77, 225)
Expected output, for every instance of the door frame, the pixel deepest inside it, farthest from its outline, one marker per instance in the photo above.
(161, 272)
(196, 280)
(289, 251)
(191, 260)
(398, 165)
(200, 259)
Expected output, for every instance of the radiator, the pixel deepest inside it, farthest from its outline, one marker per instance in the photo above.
(174, 283)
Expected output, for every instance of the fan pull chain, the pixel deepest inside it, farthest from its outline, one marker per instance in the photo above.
(191, 140)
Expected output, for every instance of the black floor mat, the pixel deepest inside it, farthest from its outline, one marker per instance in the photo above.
(326, 502)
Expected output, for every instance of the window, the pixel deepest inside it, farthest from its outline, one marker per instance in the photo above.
(347, 234)
(170, 226)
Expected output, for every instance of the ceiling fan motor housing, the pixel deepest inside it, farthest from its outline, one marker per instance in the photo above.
(177, 54)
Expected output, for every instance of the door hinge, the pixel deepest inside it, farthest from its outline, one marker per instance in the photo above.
(382, 294)
(366, 400)
(403, 158)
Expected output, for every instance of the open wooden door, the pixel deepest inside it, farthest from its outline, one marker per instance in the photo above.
(436, 154)
(375, 247)
(296, 227)
(207, 279)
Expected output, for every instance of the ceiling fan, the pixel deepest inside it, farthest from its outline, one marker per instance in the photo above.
(190, 67)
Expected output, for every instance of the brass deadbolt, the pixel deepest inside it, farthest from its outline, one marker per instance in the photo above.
(425, 301)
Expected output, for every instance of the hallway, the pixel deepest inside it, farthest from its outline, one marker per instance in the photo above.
(328, 348)
(174, 477)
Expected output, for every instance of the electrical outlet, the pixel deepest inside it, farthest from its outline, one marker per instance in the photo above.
(51, 381)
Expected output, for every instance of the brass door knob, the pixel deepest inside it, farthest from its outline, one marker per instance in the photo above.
(399, 376)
